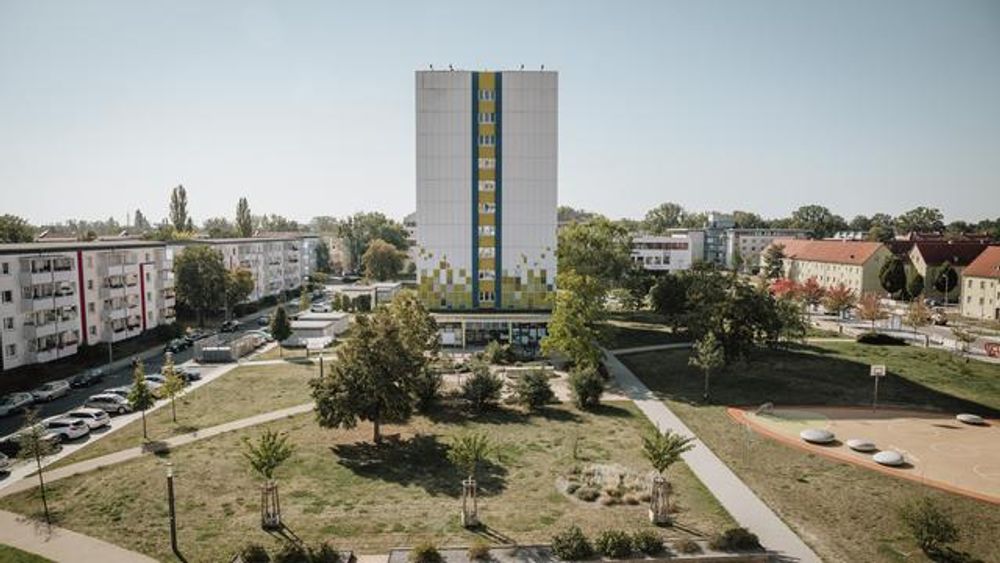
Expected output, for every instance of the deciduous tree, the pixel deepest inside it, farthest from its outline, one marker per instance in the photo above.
(840, 299)
(708, 356)
(32, 444)
(200, 278)
(573, 329)
(15, 229)
(173, 384)
(140, 397)
(774, 258)
(178, 209)
(244, 220)
(662, 217)
(892, 275)
(281, 327)
(870, 307)
(382, 261)
(239, 286)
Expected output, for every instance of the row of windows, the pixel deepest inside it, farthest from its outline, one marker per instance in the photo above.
(488, 230)
(487, 95)
(487, 140)
(487, 275)
(487, 117)
(487, 185)
(486, 296)
(487, 252)
(487, 163)
(487, 207)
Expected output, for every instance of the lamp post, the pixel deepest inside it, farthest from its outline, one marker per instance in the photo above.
(173, 515)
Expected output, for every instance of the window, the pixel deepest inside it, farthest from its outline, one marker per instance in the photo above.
(487, 163)
(487, 95)
(8, 323)
(148, 277)
(486, 296)
(487, 186)
(487, 274)
(487, 208)
(90, 284)
(5, 268)
(10, 350)
(149, 296)
(487, 118)
(487, 230)
(90, 307)
(93, 330)
(487, 140)
(7, 296)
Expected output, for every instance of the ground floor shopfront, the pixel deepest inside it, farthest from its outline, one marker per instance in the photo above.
(523, 331)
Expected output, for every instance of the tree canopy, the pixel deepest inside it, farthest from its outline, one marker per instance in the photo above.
(382, 261)
(360, 229)
(179, 217)
(200, 278)
(244, 220)
(818, 220)
(665, 216)
(598, 249)
(15, 229)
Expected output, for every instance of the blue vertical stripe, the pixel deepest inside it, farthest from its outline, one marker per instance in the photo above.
(498, 264)
(475, 192)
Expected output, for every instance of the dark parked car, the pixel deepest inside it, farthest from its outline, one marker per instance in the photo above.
(177, 344)
(87, 378)
(187, 374)
(263, 320)
(230, 326)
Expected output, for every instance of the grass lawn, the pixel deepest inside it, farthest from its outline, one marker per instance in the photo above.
(244, 391)
(626, 332)
(279, 352)
(339, 487)
(845, 512)
(10, 554)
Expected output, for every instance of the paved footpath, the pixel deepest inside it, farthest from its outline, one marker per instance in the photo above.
(741, 502)
(59, 544)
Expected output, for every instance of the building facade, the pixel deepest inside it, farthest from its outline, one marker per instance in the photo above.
(928, 257)
(487, 150)
(676, 251)
(981, 286)
(277, 264)
(833, 262)
(744, 246)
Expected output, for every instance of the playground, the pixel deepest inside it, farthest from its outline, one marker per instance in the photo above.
(937, 449)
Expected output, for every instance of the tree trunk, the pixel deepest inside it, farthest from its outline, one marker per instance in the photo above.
(376, 431)
(173, 409)
(705, 395)
(41, 483)
(144, 435)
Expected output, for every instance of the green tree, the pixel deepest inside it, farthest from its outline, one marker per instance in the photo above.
(244, 220)
(483, 388)
(219, 227)
(663, 217)
(915, 286)
(178, 209)
(860, 223)
(929, 524)
(637, 283)
(173, 384)
(598, 249)
(663, 449)
(140, 222)
(818, 220)
(200, 278)
(360, 229)
(382, 261)
(920, 220)
(281, 327)
(917, 315)
(239, 286)
(468, 451)
(33, 444)
(270, 452)
(323, 257)
(587, 386)
(669, 298)
(892, 275)
(708, 356)
(533, 390)
(748, 220)
(15, 229)
(140, 397)
(573, 329)
(774, 258)
(945, 280)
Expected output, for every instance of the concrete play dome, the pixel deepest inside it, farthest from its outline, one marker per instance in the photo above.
(971, 419)
(889, 457)
(861, 445)
(816, 436)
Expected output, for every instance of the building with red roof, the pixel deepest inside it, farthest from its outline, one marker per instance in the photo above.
(981, 286)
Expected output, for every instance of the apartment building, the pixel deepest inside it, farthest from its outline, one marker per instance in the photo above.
(672, 252)
(487, 148)
(716, 227)
(855, 264)
(277, 263)
(980, 283)
(928, 256)
(55, 297)
(744, 246)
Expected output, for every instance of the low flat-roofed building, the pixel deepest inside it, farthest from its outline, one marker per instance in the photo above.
(341, 321)
(678, 250)
(378, 292)
(981, 286)
(523, 331)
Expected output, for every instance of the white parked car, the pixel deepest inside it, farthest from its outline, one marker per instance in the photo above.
(109, 403)
(51, 390)
(156, 378)
(120, 391)
(14, 402)
(93, 417)
(66, 428)
(325, 307)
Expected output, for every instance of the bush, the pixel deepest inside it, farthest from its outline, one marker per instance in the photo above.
(614, 544)
(483, 388)
(687, 546)
(880, 339)
(571, 545)
(647, 542)
(497, 353)
(587, 386)
(587, 494)
(254, 553)
(425, 553)
(533, 390)
(929, 524)
(324, 554)
(735, 539)
(479, 551)
(427, 389)
(291, 552)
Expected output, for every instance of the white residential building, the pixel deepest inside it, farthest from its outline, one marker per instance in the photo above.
(673, 252)
(746, 245)
(981, 286)
(277, 264)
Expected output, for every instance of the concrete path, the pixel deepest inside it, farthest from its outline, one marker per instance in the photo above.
(741, 502)
(62, 545)
(651, 348)
(30, 482)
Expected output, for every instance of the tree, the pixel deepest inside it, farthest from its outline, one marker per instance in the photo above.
(748, 220)
(945, 280)
(920, 220)
(265, 457)
(467, 452)
(663, 217)
(708, 356)
(533, 390)
(587, 387)
(572, 330)
(817, 220)
(637, 282)
(173, 384)
(200, 279)
(178, 209)
(33, 444)
(239, 286)
(669, 298)
(774, 258)
(915, 286)
(483, 388)
(140, 222)
(219, 227)
(870, 307)
(244, 220)
(917, 314)
(303, 300)
(567, 214)
(323, 257)
(812, 293)
(962, 338)
(930, 525)
(360, 229)
(382, 261)
(663, 450)
(281, 328)
(786, 289)
(15, 229)
(140, 397)
(598, 249)
(860, 223)
(892, 275)
(839, 299)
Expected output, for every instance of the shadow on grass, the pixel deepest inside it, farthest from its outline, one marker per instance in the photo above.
(605, 409)
(459, 412)
(420, 461)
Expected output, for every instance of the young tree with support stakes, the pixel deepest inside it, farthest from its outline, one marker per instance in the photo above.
(281, 328)
(173, 384)
(467, 452)
(663, 449)
(265, 456)
(870, 307)
(708, 356)
(34, 445)
(917, 315)
(140, 397)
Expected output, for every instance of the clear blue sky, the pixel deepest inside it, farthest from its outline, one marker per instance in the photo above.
(307, 107)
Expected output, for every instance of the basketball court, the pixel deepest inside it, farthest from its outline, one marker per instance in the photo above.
(938, 450)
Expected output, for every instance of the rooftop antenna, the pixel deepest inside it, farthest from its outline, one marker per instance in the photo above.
(450, 67)
(522, 66)
(432, 67)
(543, 67)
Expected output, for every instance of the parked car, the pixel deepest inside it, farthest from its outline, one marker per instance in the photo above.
(110, 403)
(318, 294)
(11, 445)
(5, 463)
(51, 390)
(87, 378)
(15, 402)
(94, 417)
(263, 320)
(265, 334)
(321, 307)
(197, 334)
(66, 428)
(156, 378)
(187, 374)
(230, 326)
(177, 345)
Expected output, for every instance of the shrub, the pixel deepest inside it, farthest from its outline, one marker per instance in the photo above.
(587, 494)
(735, 539)
(291, 552)
(647, 541)
(587, 386)
(929, 524)
(254, 553)
(479, 551)
(572, 487)
(425, 553)
(533, 390)
(497, 353)
(880, 339)
(571, 545)
(687, 545)
(483, 388)
(615, 544)
(324, 554)
(427, 389)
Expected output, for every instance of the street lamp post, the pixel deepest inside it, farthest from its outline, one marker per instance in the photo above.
(173, 515)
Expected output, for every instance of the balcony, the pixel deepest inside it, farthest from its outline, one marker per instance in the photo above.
(168, 313)
(116, 314)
